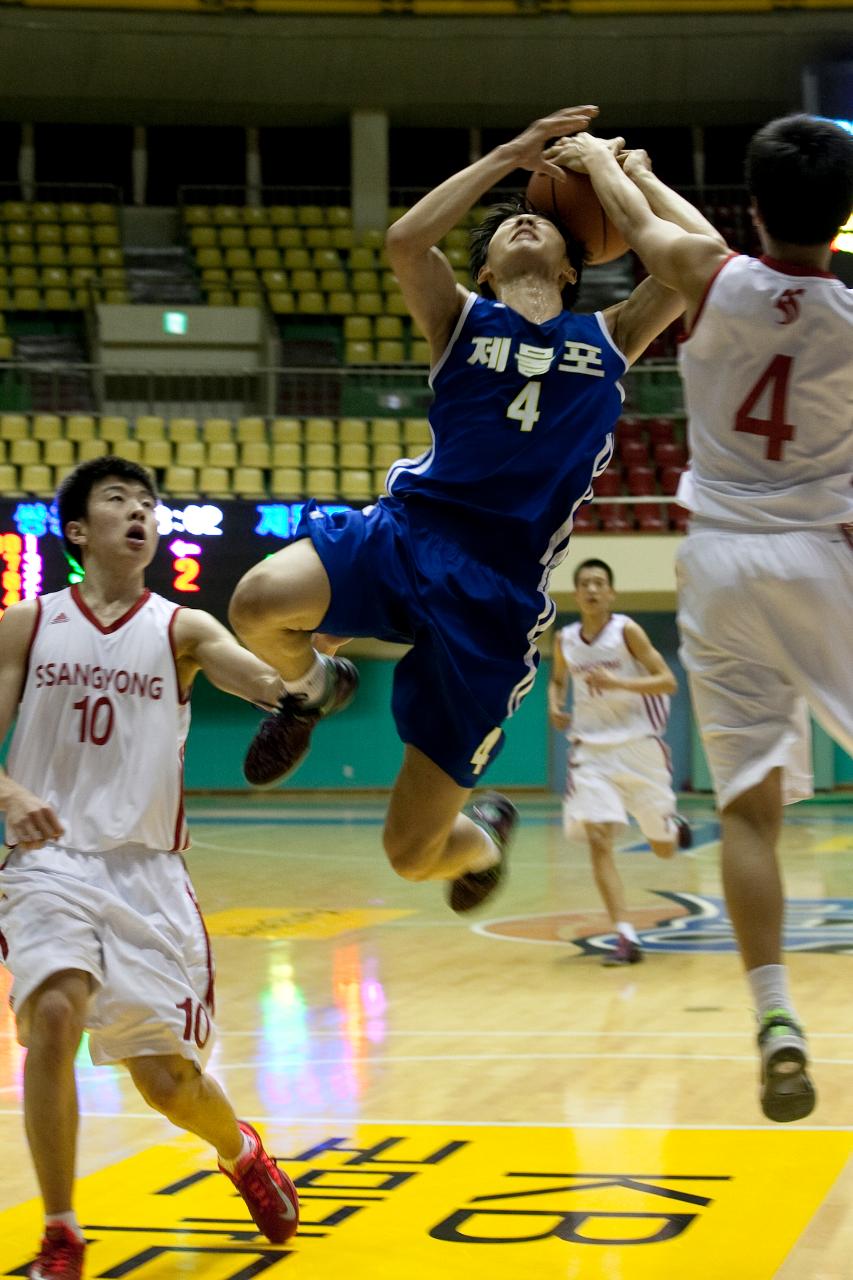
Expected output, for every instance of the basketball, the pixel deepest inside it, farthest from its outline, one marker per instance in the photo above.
(575, 206)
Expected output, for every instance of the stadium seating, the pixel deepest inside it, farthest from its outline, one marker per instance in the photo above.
(59, 257)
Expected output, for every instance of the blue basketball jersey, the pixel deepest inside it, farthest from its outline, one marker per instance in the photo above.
(522, 422)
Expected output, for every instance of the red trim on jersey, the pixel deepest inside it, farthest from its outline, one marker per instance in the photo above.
(600, 633)
(689, 332)
(183, 694)
(667, 755)
(209, 995)
(847, 533)
(4, 947)
(794, 268)
(119, 622)
(181, 840)
(28, 654)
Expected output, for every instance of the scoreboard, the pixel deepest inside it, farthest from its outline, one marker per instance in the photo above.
(204, 549)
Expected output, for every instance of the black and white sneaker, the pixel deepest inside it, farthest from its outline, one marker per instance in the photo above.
(283, 739)
(787, 1092)
(498, 817)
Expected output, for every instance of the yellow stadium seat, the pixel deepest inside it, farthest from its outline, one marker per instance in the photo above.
(235, 258)
(370, 239)
(9, 483)
(106, 236)
(287, 482)
(358, 328)
(340, 304)
(303, 278)
(2, 323)
(251, 430)
(81, 255)
(282, 215)
(227, 215)
(318, 238)
(319, 431)
(320, 454)
(220, 298)
(113, 427)
(380, 475)
(286, 431)
(222, 453)
(260, 238)
(207, 258)
(49, 233)
(150, 426)
(322, 483)
(156, 453)
(333, 280)
(190, 453)
(60, 473)
(338, 215)
(297, 259)
(384, 455)
(416, 433)
(50, 255)
(362, 259)
(286, 453)
(395, 305)
(46, 426)
(15, 211)
(274, 280)
(129, 449)
(217, 431)
(7, 347)
(100, 212)
(19, 233)
(232, 237)
(75, 235)
(26, 300)
(388, 327)
(14, 426)
(288, 238)
(59, 300)
(342, 237)
(356, 485)
(369, 304)
(419, 351)
(351, 431)
(365, 281)
(244, 278)
(359, 352)
(116, 297)
(180, 482)
(214, 277)
(390, 351)
(250, 298)
(248, 482)
(203, 237)
(267, 259)
(79, 426)
(354, 455)
(89, 449)
(215, 482)
(38, 479)
(311, 303)
(54, 278)
(255, 215)
(24, 277)
(384, 431)
(59, 453)
(110, 257)
(309, 215)
(281, 302)
(255, 453)
(182, 430)
(197, 215)
(22, 255)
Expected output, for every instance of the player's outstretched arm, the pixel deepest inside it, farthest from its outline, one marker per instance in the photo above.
(203, 644)
(425, 276)
(30, 822)
(659, 679)
(663, 201)
(558, 689)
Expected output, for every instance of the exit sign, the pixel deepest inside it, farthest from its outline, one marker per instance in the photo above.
(175, 322)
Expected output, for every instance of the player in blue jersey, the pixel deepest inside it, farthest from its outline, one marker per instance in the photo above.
(456, 560)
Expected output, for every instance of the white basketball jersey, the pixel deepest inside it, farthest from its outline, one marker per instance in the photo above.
(609, 716)
(101, 726)
(768, 383)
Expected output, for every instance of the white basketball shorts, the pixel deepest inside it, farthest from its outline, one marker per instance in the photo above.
(128, 918)
(607, 783)
(766, 621)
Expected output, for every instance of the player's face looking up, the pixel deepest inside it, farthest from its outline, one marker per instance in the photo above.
(593, 592)
(119, 521)
(526, 244)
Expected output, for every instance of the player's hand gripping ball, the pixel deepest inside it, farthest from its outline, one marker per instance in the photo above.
(574, 205)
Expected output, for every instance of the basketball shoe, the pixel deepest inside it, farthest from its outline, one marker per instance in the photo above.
(498, 817)
(626, 951)
(787, 1092)
(684, 835)
(61, 1256)
(282, 740)
(268, 1192)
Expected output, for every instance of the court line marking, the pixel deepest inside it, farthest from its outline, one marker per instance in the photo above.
(352, 1121)
(305, 1060)
(535, 1033)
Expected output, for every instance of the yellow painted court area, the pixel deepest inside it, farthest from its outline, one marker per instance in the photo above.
(278, 922)
(398, 1203)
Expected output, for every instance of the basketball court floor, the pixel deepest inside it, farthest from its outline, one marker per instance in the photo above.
(480, 1098)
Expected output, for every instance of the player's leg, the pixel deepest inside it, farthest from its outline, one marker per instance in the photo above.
(600, 837)
(646, 781)
(750, 825)
(178, 1088)
(278, 604)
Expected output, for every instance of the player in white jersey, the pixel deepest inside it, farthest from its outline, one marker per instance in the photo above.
(99, 924)
(618, 761)
(766, 572)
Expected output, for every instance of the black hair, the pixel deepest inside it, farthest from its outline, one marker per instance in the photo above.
(481, 237)
(72, 497)
(799, 171)
(593, 564)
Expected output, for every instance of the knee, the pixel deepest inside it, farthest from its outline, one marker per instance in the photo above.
(163, 1084)
(251, 599)
(599, 842)
(56, 1022)
(409, 857)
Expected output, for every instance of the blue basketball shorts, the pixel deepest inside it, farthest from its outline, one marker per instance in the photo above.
(472, 630)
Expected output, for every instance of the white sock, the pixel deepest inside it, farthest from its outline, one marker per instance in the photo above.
(311, 687)
(769, 985)
(248, 1149)
(488, 855)
(628, 930)
(67, 1219)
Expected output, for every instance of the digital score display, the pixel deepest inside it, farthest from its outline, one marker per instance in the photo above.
(204, 549)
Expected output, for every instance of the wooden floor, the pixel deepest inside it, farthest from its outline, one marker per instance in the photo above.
(479, 1100)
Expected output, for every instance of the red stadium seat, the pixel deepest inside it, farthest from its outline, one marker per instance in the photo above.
(650, 518)
(616, 518)
(585, 520)
(629, 429)
(660, 429)
(633, 453)
(678, 518)
(670, 454)
(669, 478)
(608, 485)
(641, 481)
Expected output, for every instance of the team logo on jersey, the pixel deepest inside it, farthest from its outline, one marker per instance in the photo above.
(690, 924)
(60, 617)
(789, 305)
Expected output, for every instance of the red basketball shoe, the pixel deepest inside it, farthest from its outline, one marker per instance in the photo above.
(61, 1256)
(269, 1194)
